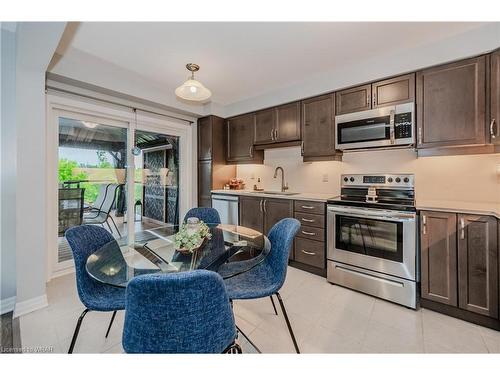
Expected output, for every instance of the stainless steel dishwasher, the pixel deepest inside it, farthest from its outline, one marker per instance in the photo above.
(228, 208)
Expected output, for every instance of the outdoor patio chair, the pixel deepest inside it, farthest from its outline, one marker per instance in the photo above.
(104, 213)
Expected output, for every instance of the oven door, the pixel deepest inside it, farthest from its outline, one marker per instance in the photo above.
(379, 240)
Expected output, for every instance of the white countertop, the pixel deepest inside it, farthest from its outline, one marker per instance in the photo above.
(319, 197)
(474, 208)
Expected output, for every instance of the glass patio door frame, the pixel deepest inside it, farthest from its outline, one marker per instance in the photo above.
(64, 106)
(56, 267)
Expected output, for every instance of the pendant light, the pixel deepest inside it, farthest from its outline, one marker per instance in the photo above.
(192, 89)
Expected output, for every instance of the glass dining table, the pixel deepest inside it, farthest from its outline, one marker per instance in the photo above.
(153, 251)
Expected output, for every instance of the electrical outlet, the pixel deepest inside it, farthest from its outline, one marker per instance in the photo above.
(325, 178)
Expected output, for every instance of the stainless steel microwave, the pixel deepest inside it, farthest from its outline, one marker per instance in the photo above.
(381, 127)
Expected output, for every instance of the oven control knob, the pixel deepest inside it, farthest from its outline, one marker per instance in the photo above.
(351, 179)
(406, 179)
(389, 179)
(346, 179)
(398, 180)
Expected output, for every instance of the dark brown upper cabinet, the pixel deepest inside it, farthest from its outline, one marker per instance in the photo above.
(213, 171)
(494, 126)
(393, 91)
(265, 122)
(318, 128)
(478, 264)
(288, 122)
(205, 138)
(353, 100)
(451, 104)
(278, 125)
(240, 140)
(438, 242)
(390, 91)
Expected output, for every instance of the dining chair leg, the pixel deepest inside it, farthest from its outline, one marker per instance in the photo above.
(110, 323)
(274, 306)
(111, 217)
(250, 341)
(288, 322)
(77, 329)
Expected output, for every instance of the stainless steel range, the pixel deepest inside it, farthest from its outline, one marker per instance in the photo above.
(372, 236)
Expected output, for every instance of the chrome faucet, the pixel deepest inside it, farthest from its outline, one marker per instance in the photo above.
(284, 185)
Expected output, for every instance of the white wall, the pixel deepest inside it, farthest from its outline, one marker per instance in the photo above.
(470, 178)
(8, 170)
(36, 43)
(470, 43)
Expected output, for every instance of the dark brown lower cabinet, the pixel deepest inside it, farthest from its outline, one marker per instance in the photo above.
(460, 265)
(478, 264)
(251, 214)
(262, 213)
(439, 256)
(275, 210)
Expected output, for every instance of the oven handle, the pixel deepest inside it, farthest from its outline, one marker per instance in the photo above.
(363, 214)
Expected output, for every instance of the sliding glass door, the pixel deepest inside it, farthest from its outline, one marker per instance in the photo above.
(92, 160)
(122, 176)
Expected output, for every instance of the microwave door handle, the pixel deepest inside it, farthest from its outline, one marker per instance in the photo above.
(391, 128)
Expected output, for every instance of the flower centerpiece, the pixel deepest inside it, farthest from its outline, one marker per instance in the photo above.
(191, 236)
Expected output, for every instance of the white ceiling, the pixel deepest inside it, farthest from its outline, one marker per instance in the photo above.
(245, 60)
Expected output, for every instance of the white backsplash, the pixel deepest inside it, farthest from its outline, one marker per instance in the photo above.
(471, 178)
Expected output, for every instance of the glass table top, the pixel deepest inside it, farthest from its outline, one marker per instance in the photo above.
(154, 252)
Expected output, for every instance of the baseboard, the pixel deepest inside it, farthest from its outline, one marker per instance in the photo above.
(7, 305)
(62, 272)
(25, 307)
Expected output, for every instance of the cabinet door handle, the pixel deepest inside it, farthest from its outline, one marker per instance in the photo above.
(272, 134)
(260, 206)
(424, 224)
(420, 136)
(307, 207)
(302, 148)
(368, 99)
(308, 233)
(493, 133)
(308, 252)
(275, 134)
(374, 100)
(265, 201)
(308, 220)
(462, 228)
(251, 151)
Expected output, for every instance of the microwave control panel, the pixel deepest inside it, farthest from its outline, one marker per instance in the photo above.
(403, 125)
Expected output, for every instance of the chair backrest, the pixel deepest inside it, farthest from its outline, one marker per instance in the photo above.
(206, 214)
(109, 198)
(100, 196)
(85, 240)
(185, 312)
(281, 237)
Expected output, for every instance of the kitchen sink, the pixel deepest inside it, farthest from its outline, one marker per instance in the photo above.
(273, 192)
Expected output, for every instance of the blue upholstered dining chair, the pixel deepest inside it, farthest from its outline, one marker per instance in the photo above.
(95, 296)
(206, 214)
(266, 278)
(185, 312)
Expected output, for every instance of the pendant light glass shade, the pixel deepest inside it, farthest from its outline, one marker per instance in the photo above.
(192, 89)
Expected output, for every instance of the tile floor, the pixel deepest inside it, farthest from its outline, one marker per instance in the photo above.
(326, 319)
